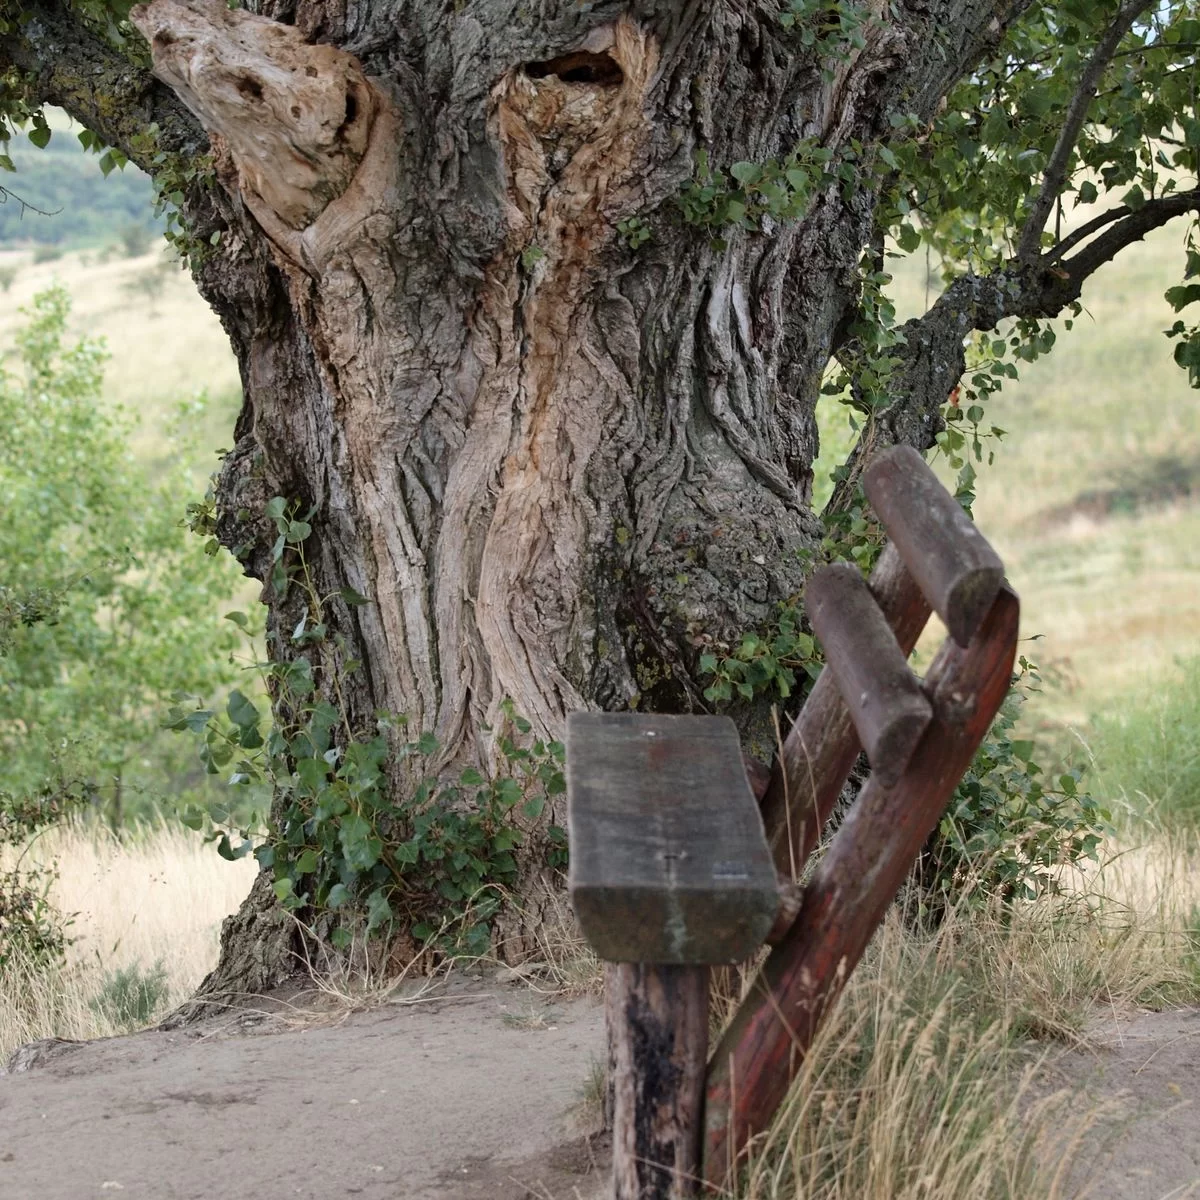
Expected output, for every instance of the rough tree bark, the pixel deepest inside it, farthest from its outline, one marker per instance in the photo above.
(555, 464)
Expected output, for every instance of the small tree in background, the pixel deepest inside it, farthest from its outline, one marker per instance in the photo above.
(113, 605)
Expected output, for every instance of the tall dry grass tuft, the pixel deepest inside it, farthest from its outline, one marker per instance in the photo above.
(155, 897)
(925, 1081)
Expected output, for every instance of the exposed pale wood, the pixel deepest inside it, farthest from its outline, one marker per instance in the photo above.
(790, 897)
(887, 706)
(764, 1045)
(660, 1040)
(668, 859)
(820, 749)
(956, 568)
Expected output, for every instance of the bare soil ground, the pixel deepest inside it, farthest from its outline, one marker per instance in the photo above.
(476, 1092)
(1143, 1071)
(472, 1094)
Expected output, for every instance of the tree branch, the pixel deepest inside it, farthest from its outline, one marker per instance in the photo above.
(1056, 170)
(1130, 229)
(67, 64)
(933, 357)
(1085, 231)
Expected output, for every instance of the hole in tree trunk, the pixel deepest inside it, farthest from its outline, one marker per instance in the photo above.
(581, 67)
(351, 114)
(250, 88)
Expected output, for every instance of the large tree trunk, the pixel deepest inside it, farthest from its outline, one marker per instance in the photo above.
(556, 465)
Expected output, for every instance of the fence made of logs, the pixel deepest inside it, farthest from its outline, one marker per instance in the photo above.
(676, 867)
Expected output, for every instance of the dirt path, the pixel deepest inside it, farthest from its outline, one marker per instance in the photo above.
(1146, 1070)
(469, 1096)
(473, 1095)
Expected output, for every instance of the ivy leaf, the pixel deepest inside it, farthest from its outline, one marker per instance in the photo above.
(242, 711)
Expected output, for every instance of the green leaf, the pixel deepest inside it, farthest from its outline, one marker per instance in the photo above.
(241, 711)
(39, 135)
(306, 864)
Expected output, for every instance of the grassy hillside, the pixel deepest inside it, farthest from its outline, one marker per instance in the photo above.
(69, 200)
(1094, 498)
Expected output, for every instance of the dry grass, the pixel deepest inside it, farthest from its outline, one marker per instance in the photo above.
(157, 896)
(925, 1081)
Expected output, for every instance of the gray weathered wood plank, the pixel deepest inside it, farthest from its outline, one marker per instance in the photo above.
(669, 862)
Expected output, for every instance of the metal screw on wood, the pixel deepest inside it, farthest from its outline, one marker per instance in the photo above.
(675, 867)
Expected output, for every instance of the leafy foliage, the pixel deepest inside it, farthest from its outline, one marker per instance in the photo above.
(438, 860)
(69, 198)
(1007, 827)
(965, 186)
(106, 608)
(31, 928)
(763, 664)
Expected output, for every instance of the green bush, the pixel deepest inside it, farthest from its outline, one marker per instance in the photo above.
(130, 997)
(1149, 754)
(342, 847)
(1008, 826)
(32, 930)
(108, 606)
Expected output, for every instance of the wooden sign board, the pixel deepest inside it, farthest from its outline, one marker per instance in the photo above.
(669, 862)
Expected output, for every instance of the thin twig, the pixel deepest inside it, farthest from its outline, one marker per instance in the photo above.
(1056, 170)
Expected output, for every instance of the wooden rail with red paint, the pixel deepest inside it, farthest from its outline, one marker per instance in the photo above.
(887, 706)
(761, 1051)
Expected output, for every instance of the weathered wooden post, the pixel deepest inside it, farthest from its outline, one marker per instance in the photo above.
(670, 873)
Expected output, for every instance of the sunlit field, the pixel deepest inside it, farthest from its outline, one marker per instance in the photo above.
(1092, 500)
(148, 905)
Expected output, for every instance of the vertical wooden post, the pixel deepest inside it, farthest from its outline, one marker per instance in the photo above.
(659, 1033)
(670, 872)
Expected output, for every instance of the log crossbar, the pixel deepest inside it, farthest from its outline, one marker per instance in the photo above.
(672, 868)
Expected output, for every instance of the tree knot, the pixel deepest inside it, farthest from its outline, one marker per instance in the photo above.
(296, 117)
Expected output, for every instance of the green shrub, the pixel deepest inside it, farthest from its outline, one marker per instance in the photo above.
(107, 605)
(1149, 754)
(131, 997)
(1008, 827)
(32, 930)
(341, 846)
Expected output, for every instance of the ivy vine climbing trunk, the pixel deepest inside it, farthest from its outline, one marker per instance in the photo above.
(558, 457)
